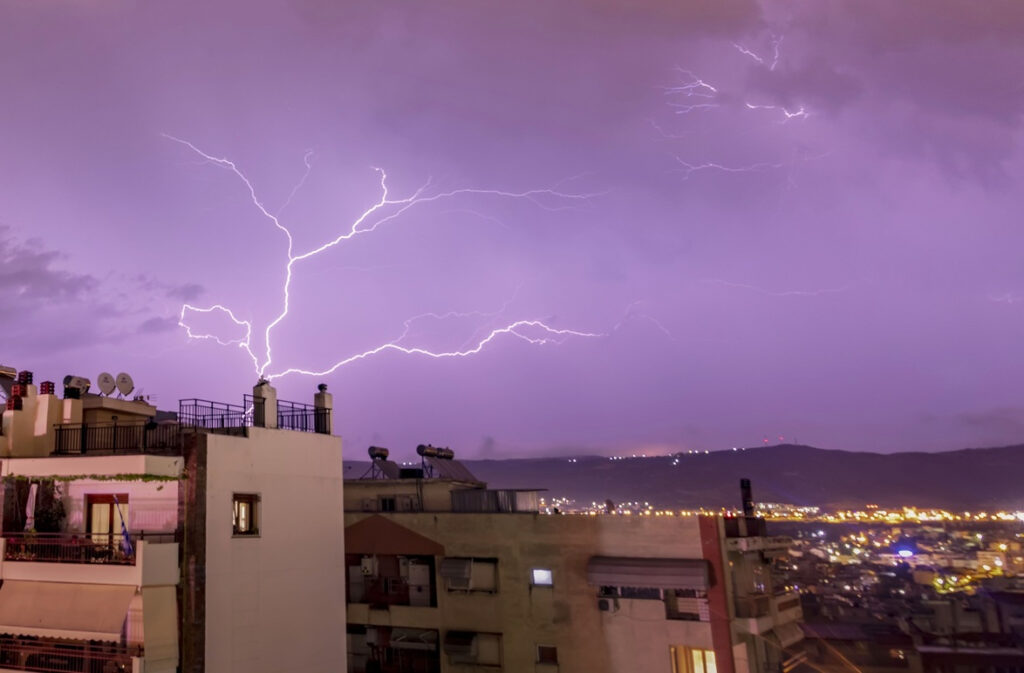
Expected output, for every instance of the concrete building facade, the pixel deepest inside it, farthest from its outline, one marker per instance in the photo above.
(134, 540)
(446, 575)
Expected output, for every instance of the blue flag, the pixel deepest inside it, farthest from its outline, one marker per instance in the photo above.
(126, 540)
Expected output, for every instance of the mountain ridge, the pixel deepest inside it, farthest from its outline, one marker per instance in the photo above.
(961, 479)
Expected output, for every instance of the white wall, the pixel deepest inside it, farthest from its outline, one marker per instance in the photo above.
(276, 603)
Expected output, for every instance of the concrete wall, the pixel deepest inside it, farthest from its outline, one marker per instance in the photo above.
(275, 602)
(635, 638)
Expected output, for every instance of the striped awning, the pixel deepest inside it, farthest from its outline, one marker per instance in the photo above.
(64, 609)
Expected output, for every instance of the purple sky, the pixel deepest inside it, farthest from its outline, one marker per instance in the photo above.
(827, 246)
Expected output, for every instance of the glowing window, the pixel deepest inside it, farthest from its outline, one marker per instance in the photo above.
(541, 577)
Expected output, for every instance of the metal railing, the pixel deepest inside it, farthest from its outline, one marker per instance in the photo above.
(76, 439)
(105, 548)
(27, 654)
(196, 413)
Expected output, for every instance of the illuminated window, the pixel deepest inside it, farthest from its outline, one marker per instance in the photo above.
(541, 577)
(245, 514)
(692, 660)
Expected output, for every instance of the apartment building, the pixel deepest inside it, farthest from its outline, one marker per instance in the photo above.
(446, 575)
(137, 540)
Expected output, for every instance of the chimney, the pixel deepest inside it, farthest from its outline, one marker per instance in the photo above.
(264, 405)
(748, 497)
(323, 403)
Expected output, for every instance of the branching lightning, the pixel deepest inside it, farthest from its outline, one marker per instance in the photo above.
(688, 169)
(799, 113)
(384, 210)
(692, 87)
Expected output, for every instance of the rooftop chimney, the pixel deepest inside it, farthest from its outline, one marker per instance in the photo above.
(323, 403)
(264, 405)
(748, 497)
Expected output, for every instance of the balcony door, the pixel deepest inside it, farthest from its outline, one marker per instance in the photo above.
(105, 516)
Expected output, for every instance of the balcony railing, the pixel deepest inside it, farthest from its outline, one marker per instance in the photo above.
(222, 417)
(73, 439)
(28, 654)
(104, 548)
(196, 413)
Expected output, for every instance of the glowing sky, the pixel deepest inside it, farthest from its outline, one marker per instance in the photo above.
(800, 219)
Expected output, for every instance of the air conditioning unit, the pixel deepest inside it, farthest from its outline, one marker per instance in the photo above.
(607, 605)
(369, 566)
(369, 504)
(459, 583)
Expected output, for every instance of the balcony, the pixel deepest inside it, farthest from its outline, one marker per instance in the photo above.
(32, 654)
(759, 613)
(77, 548)
(73, 439)
(151, 560)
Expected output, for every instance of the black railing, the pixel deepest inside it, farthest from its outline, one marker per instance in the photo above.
(290, 415)
(196, 413)
(29, 654)
(102, 548)
(103, 438)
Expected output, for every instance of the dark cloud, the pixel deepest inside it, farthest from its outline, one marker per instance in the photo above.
(158, 325)
(186, 292)
(1003, 422)
(29, 272)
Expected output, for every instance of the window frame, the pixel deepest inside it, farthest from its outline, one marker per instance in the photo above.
(253, 500)
(552, 651)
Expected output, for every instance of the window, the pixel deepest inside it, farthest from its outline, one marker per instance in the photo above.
(541, 577)
(470, 574)
(691, 660)
(547, 654)
(468, 647)
(245, 515)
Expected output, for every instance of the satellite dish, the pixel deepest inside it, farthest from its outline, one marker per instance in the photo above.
(125, 385)
(106, 383)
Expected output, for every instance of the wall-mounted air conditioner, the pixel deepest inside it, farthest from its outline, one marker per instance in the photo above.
(607, 604)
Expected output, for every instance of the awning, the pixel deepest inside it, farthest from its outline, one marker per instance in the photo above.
(789, 633)
(64, 609)
(413, 639)
(653, 573)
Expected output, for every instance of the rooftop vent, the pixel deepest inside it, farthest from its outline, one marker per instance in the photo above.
(25, 377)
(46, 388)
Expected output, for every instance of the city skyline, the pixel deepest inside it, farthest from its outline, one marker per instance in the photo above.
(732, 220)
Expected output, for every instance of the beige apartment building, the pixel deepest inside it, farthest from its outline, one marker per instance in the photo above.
(446, 575)
(136, 540)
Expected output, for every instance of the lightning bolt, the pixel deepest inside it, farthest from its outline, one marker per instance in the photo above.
(688, 168)
(776, 43)
(691, 87)
(384, 210)
(799, 113)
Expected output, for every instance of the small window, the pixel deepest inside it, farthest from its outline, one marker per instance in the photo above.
(547, 654)
(245, 517)
(387, 504)
(541, 577)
